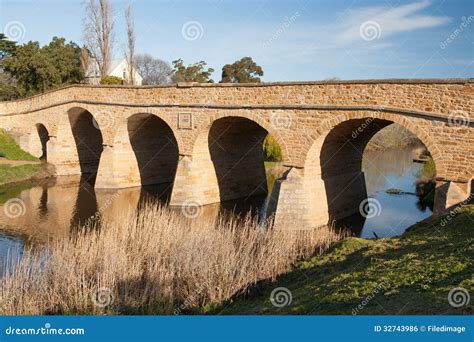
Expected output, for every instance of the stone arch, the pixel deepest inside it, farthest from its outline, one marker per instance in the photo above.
(210, 174)
(333, 173)
(425, 137)
(154, 145)
(87, 137)
(203, 131)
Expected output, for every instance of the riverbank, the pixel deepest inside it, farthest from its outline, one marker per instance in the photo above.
(17, 165)
(406, 275)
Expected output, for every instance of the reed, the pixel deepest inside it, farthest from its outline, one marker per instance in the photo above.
(153, 261)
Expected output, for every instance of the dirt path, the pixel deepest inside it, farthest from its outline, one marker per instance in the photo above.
(4, 161)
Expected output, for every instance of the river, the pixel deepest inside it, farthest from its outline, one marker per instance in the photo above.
(55, 207)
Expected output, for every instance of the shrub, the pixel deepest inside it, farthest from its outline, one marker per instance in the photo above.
(111, 80)
(271, 149)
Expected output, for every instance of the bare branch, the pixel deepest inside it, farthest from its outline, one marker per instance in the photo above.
(98, 32)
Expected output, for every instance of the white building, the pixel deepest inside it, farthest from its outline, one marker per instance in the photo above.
(118, 68)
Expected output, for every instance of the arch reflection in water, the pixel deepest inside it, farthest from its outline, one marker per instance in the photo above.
(59, 207)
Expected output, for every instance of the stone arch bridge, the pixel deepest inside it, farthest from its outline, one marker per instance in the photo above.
(206, 139)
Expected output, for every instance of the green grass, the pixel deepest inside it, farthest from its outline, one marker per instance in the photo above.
(410, 274)
(10, 174)
(9, 148)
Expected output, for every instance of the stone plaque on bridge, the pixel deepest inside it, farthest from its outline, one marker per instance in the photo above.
(185, 121)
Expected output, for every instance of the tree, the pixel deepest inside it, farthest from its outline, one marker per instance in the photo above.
(98, 32)
(130, 53)
(153, 71)
(192, 73)
(8, 89)
(37, 69)
(7, 47)
(66, 59)
(242, 71)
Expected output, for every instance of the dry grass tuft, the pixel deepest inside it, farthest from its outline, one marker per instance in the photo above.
(152, 262)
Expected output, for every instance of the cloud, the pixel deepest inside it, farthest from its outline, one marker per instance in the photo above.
(372, 23)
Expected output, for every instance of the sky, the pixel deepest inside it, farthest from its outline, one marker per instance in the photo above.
(293, 40)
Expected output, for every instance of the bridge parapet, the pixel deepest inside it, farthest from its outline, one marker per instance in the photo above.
(431, 95)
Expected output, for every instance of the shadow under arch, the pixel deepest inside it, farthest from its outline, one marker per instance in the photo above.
(235, 146)
(88, 139)
(333, 166)
(43, 135)
(155, 147)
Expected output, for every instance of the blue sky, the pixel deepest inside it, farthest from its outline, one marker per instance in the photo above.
(291, 40)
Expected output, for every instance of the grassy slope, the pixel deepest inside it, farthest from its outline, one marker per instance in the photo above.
(418, 270)
(10, 149)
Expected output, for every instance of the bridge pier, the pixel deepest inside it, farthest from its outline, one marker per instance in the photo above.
(118, 168)
(289, 202)
(195, 182)
(449, 193)
(63, 156)
(297, 203)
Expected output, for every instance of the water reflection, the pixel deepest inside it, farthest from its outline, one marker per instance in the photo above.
(384, 170)
(57, 207)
